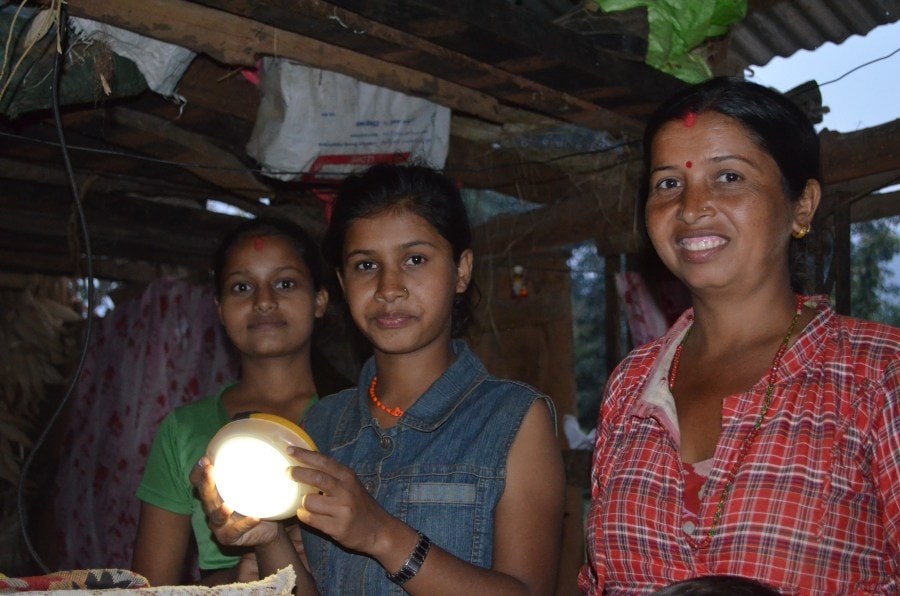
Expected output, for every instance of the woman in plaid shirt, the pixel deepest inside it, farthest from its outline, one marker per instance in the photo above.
(760, 437)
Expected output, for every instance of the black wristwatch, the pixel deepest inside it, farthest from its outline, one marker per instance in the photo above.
(413, 563)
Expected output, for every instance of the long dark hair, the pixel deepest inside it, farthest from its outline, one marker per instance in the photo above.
(713, 585)
(415, 188)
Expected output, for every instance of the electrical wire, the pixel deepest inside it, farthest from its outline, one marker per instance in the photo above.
(26, 466)
(855, 68)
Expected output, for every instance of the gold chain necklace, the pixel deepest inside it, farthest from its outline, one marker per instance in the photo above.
(751, 436)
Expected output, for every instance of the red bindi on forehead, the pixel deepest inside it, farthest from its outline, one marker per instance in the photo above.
(689, 164)
(258, 244)
(690, 119)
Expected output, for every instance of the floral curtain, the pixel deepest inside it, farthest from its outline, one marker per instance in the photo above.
(146, 357)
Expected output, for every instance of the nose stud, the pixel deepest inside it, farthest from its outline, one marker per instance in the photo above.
(389, 294)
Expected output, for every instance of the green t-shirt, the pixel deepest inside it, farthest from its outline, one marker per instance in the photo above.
(180, 442)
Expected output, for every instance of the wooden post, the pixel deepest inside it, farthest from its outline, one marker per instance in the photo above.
(613, 337)
(841, 259)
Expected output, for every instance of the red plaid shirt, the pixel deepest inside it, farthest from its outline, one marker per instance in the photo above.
(815, 507)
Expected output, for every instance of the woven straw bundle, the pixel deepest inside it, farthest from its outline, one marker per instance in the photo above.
(40, 327)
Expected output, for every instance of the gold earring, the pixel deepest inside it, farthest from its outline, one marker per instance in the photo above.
(802, 232)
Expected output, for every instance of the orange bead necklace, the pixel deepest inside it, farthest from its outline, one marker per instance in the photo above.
(395, 412)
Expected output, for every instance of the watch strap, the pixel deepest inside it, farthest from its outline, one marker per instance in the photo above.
(413, 563)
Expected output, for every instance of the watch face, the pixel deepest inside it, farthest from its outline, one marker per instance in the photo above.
(252, 468)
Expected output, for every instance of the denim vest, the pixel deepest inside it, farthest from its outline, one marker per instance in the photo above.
(441, 469)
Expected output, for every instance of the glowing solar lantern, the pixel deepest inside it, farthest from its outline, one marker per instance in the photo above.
(252, 467)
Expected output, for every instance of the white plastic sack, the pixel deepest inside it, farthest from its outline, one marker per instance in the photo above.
(575, 437)
(315, 124)
(161, 63)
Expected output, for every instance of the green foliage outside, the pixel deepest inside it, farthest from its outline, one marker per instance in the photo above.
(678, 28)
(588, 314)
(873, 294)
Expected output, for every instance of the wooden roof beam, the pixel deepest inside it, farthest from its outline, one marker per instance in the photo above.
(454, 80)
(219, 167)
(234, 40)
(408, 45)
(130, 230)
(600, 208)
(860, 153)
(514, 34)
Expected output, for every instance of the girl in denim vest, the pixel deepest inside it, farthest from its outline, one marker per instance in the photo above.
(435, 477)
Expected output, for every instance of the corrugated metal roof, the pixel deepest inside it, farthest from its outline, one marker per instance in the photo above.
(793, 25)
(778, 29)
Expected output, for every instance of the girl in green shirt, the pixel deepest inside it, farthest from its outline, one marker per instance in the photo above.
(269, 289)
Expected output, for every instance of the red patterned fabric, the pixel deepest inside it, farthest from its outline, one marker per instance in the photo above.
(815, 506)
(81, 579)
(650, 313)
(147, 357)
(646, 321)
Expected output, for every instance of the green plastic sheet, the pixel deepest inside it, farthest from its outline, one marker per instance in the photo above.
(678, 28)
